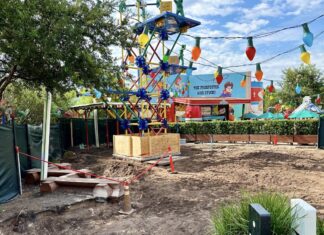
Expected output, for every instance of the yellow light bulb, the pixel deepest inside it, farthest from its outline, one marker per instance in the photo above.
(215, 74)
(143, 39)
(305, 57)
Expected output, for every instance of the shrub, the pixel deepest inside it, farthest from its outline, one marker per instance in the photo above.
(233, 219)
(307, 127)
(278, 127)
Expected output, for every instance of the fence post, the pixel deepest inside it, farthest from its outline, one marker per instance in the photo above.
(16, 153)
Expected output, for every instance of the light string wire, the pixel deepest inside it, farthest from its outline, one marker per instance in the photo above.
(215, 66)
(261, 35)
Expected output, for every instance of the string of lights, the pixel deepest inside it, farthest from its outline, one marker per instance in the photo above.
(261, 35)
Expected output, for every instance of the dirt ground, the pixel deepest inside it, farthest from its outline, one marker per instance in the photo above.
(170, 203)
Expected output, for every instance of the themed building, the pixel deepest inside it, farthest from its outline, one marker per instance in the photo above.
(200, 98)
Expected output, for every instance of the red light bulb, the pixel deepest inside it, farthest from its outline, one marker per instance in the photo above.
(250, 50)
(219, 77)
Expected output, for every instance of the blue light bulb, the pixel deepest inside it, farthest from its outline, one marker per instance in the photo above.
(298, 89)
(308, 36)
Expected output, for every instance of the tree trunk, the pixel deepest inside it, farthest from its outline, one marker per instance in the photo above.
(6, 80)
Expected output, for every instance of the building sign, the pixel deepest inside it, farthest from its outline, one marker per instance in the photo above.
(165, 6)
(204, 90)
(205, 86)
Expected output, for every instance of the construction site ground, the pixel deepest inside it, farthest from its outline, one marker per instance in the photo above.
(167, 203)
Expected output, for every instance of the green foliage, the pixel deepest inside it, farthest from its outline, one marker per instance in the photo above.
(59, 43)
(278, 127)
(204, 128)
(29, 103)
(308, 77)
(233, 219)
(307, 127)
(320, 226)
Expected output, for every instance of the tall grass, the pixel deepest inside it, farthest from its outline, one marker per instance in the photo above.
(233, 219)
(320, 226)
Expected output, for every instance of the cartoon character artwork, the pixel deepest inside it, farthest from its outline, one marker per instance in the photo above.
(227, 92)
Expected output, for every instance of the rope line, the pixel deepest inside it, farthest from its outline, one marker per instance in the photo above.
(123, 182)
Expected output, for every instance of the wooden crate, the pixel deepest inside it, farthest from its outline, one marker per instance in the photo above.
(239, 138)
(159, 144)
(140, 146)
(146, 146)
(305, 139)
(123, 145)
(260, 138)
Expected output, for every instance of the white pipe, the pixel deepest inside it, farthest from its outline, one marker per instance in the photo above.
(46, 136)
(95, 116)
(71, 133)
(43, 137)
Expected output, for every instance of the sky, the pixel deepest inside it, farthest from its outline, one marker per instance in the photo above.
(245, 18)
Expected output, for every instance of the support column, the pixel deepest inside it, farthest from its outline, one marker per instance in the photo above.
(71, 133)
(46, 135)
(96, 128)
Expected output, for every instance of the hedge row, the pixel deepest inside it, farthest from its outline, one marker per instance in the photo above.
(279, 127)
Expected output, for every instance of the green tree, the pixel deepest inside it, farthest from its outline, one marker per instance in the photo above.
(28, 103)
(309, 78)
(59, 44)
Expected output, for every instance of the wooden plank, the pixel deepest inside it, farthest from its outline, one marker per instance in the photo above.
(82, 182)
(141, 159)
(221, 138)
(283, 138)
(260, 138)
(52, 172)
(166, 161)
(75, 174)
(239, 138)
(305, 139)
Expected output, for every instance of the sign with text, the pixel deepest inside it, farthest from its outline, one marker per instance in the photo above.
(205, 86)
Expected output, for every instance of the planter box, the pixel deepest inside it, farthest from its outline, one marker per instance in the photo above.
(143, 147)
(239, 138)
(289, 139)
(305, 139)
(207, 138)
(189, 137)
(260, 138)
(221, 138)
